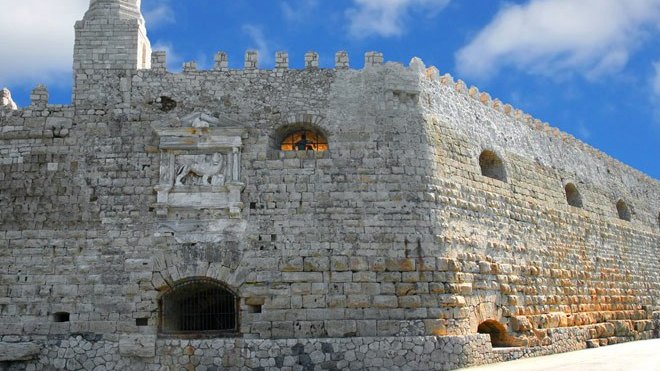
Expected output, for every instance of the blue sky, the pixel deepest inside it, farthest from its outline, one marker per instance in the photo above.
(589, 67)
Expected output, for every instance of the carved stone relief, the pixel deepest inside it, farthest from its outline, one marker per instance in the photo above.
(200, 182)
(199, 170)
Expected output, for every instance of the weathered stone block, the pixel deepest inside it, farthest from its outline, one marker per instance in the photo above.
(341, 328)
(137, 345)
(385, 301)
(18, 351)
(400, 264)
(339, 263)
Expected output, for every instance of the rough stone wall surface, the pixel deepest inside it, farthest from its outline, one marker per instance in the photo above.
(94, 352)
(389, 249)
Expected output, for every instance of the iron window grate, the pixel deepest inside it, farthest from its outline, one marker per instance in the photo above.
(198, 306)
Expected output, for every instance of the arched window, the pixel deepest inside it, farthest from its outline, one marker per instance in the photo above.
(304, 140)
(497, 332)
(198, 305)
(623, 209)
(492, 166)
(573, 195)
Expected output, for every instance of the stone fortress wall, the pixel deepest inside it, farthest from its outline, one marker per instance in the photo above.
(389, 250)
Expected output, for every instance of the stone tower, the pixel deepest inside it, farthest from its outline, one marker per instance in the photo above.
(111, 37)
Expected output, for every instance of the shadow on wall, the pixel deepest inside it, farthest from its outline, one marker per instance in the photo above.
(498, 335)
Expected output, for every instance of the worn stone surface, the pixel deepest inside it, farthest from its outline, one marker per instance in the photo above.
(135, 345)
(18, 351)
(391, 242)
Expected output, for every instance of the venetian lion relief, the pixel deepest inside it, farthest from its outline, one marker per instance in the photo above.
(200, 169)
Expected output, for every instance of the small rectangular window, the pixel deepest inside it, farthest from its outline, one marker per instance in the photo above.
(61, 317)
(254, 308)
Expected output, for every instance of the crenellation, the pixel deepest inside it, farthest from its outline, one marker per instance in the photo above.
(432, 73)
(496, 104)
(189, 67)
(159, 61)
(485, 99)
(373, 59)
(221, 62)
(311, 60)
(341, 60)
(39, 97)
(251, 60)
(282, 61)
(447, 79)
(416, 65)
(335, 215)
(473, 92)
(460, 87)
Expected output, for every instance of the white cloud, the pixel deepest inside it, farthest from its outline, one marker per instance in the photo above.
(259, 43)
(299, 11)
(655, 82)
(386, 18)
(655, 100)
(549, 37)
(158, 14)
(583, 131)
(37, 41)
(38, 37)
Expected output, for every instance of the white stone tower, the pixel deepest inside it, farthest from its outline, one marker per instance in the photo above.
(111, 37)
(124, 9)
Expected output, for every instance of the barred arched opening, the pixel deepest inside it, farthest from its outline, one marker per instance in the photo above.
(199, 306)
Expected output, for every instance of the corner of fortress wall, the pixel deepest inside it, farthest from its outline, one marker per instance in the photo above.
(390, 249)
(530, 137)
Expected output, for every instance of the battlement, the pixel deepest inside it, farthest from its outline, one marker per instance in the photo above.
(416, 65)
(158, 64)
(251, 61)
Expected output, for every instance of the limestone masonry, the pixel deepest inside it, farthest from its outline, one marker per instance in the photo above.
(314, 219)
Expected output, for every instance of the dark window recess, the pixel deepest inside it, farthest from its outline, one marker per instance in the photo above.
(254, 308)
(492, 166)
(198, 305)
(623, 210)
(142, 322)
(61, 317)
(573, 195)
(253, 205)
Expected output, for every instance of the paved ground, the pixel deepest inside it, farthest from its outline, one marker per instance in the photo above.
(633, 356)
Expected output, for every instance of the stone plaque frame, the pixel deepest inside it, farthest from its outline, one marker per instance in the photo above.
(206, 152)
